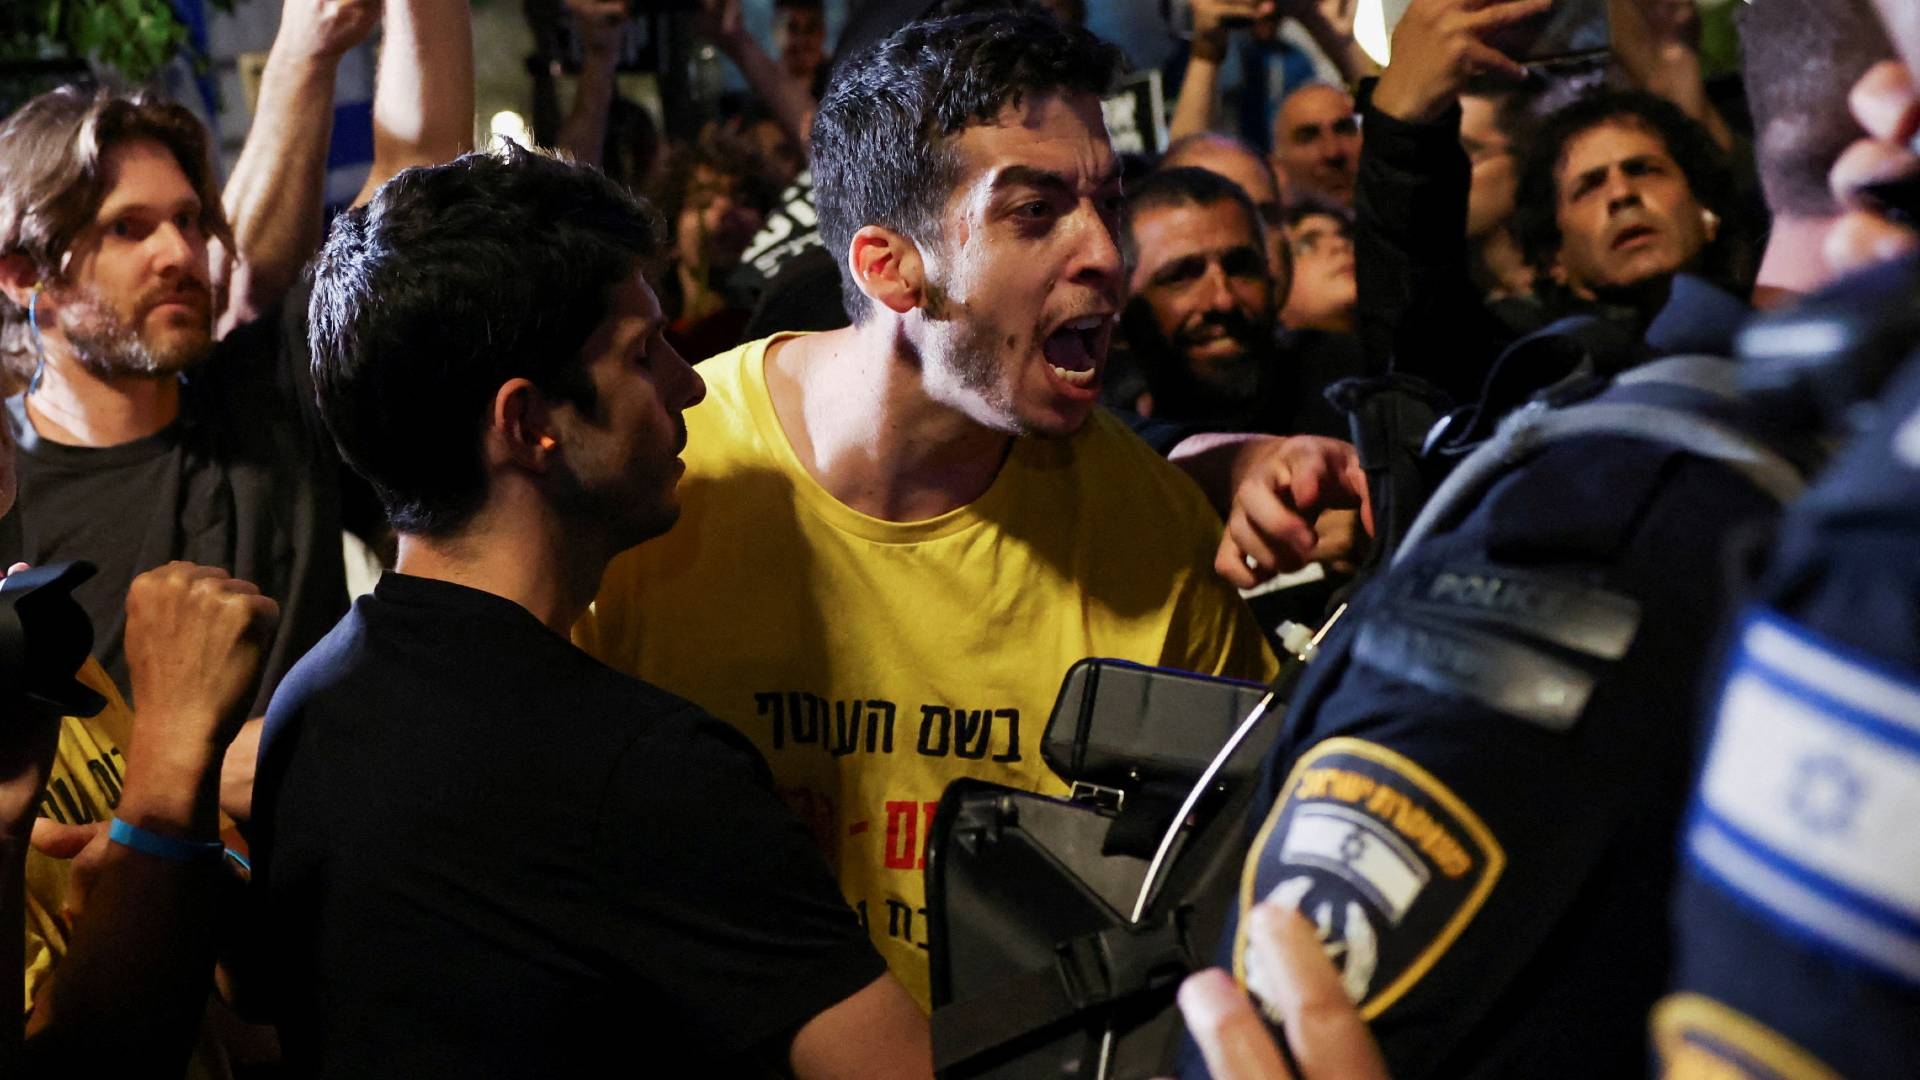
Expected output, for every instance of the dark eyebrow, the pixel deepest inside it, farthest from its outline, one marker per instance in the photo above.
(110, 210)
(1174, 270)
(1051, 182)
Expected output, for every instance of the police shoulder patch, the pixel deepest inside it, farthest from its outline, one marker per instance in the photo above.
(1806, 804)
(1520, 642)
(1385, 860)
(1699, 1038)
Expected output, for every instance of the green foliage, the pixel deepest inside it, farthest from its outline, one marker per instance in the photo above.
(135, 38)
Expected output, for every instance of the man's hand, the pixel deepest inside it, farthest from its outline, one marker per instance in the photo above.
(86, 848)
(194, 639)
(1214, 19)
(1888, 107)
(1325, 1032)
(597, 23)
(1339, 14)
(324, 29)
(1280, 487)
(1438, 46)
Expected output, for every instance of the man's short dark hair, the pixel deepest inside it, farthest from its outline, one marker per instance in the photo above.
(453, 280)
(1536, 222)
(882, 153)
(1801, 57)
(1187, 185)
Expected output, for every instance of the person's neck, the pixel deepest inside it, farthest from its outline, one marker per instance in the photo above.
(75, 407)
(856, 411)
(1795, 262)
(516, 548)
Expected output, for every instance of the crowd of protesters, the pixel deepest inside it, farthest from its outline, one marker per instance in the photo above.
(878, 402)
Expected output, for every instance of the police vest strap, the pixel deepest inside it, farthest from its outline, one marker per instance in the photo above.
(1536, 425)
(1091, 972)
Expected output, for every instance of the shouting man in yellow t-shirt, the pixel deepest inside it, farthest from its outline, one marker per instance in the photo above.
(896, 537)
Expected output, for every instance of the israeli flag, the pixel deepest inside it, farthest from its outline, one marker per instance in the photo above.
(1810, 795)
(1359, 850)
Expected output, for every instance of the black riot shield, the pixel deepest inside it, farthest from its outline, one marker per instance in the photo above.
(1060, 928)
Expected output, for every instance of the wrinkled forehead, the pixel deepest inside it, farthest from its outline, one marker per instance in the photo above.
(1314, 105)
(1042, 139)
(141, 173)
(1609, 142)
(1167, 232)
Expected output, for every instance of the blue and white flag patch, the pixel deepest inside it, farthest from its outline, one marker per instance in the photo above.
(1388, 863)
(1810, 796)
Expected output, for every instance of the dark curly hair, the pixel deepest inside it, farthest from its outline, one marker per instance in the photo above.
(1536, 222)
(881, 148)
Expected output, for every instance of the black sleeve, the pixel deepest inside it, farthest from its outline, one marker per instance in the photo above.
(724, 890)
(1421, 312)
(1492, 869)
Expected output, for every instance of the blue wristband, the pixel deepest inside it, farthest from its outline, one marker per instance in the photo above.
(162, 847)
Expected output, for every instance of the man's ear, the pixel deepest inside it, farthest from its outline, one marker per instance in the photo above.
(886, 266)
(17, 278)
(520, 426)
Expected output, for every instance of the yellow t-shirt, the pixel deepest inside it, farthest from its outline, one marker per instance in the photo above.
(83, 787)
(876, 662)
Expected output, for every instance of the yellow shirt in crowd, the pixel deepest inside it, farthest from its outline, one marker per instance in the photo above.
(875, 662)
(83, 788)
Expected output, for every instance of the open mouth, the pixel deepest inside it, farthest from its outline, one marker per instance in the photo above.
(1070, 350)
(1631, 235)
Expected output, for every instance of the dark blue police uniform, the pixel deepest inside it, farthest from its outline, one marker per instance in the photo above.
(1798, 911)
(1483, 773)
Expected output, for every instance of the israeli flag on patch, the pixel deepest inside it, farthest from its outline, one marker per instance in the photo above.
(1360, 850)
(1808, 802)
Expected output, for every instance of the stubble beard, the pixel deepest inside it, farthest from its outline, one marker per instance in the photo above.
(108, 347)
(971, 362)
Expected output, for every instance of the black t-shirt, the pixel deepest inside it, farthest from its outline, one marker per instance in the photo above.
(246, 479)
(480, 852)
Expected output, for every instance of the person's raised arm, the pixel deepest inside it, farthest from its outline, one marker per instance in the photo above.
(719, 21)
(1330, 24)
(140, 962)
(423, 93)
(1410, 206)
(1657, 43)
(877, 1032)
(273, 198)
(1198, 100)
(583, 134)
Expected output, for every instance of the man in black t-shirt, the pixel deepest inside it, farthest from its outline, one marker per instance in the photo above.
(478, 850)
(167, 411)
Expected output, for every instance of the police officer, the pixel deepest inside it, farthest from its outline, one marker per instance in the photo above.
(1798, 912)
(1482, 780)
